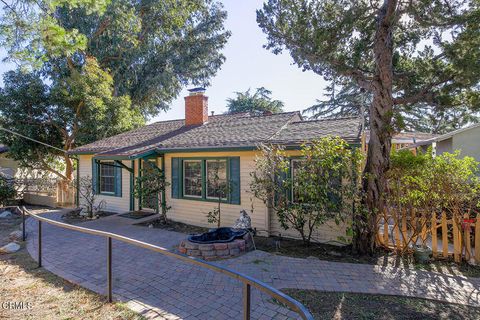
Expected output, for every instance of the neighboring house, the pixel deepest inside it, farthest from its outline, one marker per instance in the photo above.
(402, 140)
(36, 187)
(466, 140)
(187, 150)
(10, 168)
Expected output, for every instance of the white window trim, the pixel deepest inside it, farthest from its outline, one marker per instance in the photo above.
(100, 177)
(206, 177)
(183, 177)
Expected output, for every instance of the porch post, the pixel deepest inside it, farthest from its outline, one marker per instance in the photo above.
(164, 202)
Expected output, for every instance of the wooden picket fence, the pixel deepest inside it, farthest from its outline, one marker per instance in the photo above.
(400, 231)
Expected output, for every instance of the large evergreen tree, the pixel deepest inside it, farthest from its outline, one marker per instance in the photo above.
(257, 103)
(401, 52)
(343, 98)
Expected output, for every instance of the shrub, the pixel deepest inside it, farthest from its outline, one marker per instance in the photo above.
(7, 191)
(322, 188)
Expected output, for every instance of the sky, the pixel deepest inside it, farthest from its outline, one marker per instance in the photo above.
(248, 65)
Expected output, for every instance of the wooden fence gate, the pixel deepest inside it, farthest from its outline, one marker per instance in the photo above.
(459, 237)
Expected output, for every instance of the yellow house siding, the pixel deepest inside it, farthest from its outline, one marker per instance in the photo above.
(194, 211)
(115, 204)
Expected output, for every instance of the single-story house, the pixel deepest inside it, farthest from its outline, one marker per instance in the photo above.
(466, 140)
(188, 149)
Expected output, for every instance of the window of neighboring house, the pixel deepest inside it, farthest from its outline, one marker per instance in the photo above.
(107, 177)
(192, 178)
(216, 173)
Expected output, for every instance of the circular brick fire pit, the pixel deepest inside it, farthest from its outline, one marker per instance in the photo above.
(215, 251)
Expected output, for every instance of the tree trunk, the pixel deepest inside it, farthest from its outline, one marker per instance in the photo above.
(68, 168)
(379, 146)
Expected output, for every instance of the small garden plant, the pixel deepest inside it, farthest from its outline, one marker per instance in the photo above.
(88, 196)
(152, 184)
(221, 188)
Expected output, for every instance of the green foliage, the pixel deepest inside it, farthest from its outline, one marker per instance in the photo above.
(436, 45)
(7, 191)
(151, 184)
(433, 183)
(403, 53)
(32, 34)
(257, 103)
(152, 49)
(76, 108)
(321, 188)
(344, 98)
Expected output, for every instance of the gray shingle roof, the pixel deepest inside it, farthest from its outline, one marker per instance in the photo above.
(223, 131)
(303, 131)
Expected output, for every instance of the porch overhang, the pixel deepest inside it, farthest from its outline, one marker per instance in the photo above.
(132, 156)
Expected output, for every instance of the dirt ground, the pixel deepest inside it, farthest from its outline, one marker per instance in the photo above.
(29, 292)
(346, 306)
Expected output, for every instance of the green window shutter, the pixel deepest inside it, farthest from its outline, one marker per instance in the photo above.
(176, 170)
(118, 180)
(95, 176)
(234, 170)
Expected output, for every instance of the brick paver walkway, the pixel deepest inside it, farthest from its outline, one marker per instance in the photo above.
(160, 286)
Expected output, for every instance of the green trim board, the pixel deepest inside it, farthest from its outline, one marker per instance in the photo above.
(120, 163)
(132, 185)
(140, 175)
(77, 192)
(233, 176)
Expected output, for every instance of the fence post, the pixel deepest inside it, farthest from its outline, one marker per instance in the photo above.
(24, 235)
(477, 239)
(246, 301)
(434, 234)
(39, 243)
(444, 235)
(109, 269)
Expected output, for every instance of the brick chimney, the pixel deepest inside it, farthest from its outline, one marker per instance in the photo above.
(196, 107)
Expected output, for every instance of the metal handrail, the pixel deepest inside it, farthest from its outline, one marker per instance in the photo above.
(247, 281)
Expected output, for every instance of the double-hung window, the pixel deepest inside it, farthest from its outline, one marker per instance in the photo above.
(217, 184)
(206, 179)
(192, 178)
(107, 177)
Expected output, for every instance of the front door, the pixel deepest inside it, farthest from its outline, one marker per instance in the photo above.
(150, 202)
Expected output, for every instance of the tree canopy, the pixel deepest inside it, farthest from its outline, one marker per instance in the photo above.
(401, 52)
(256, 103)
(343, 98)
(97, 68)
(151, 48)
(75, 109)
